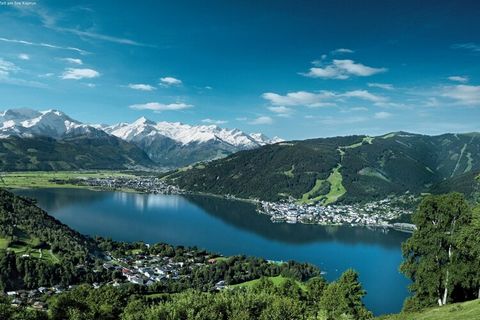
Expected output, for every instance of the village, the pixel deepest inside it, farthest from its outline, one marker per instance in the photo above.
(137, 268)
(381, 213)
(144, 184)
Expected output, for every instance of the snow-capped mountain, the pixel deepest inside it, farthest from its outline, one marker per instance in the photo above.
(50, 123)
(166, 143)
(187, 134)
(174, 143)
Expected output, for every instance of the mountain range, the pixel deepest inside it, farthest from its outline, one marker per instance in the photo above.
(141, 144)
(342, 169)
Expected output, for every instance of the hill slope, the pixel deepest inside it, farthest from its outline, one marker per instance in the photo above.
(38, 250)
(459, 311)
(23, 225)
(70, 153)
(347, 169)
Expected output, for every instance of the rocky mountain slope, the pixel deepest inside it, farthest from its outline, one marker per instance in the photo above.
(177, 144)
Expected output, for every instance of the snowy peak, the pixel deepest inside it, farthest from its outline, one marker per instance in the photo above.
(186, 134)
(56, 124)
(169, 144)
(143, 121)
(51, 123)
(262, 139)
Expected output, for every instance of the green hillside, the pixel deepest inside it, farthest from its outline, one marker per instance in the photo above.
(348, 169)
(82, 152)
(26, 228)
(36, 249)
(469, 310)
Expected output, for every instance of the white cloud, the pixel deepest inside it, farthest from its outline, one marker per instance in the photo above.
(103, 37)
(357, 69)
(23, 56)
(6, 70)
(77, 74)
(365, 95)
(141, 87)
(463, 94)
(468, 46)
(342, 69)
(382, 115)
(342, 50)
(385, 86)
(241, 119)
(50, 20)
(46, 45)
(280, 109)
(461, 79)
(73, 60)
(262, 120)
(300, 98)
(156, 106)
(212, 121)
(7, 67)
(170, 81)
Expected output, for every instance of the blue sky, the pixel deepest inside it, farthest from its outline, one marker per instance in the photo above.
(296, 70)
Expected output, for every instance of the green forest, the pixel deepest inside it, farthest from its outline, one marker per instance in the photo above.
(366, 168)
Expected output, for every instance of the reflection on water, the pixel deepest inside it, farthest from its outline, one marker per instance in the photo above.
(233, 227)
(243, 215)
(144, 201)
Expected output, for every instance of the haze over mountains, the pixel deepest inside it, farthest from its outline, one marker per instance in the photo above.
(165, 144)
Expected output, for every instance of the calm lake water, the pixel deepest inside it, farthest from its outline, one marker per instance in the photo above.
(232, 227)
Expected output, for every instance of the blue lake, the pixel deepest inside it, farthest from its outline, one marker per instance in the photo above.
(232, 227)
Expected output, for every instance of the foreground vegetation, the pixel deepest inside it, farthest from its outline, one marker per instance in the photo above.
(458, 311)
(442, 258)
(263, 300)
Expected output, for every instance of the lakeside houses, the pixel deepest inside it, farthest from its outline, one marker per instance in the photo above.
(148, 269)
(374, 214)
(138, 269)
(145, 184)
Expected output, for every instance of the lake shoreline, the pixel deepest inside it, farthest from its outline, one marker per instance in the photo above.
(234, 227)
(331, 215)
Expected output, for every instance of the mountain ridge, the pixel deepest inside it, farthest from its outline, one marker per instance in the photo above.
(168, 144)
(339, 169)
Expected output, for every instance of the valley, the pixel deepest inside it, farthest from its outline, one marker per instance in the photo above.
(382, 213)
